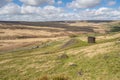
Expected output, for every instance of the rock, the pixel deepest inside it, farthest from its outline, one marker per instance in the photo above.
(106, 57)
(72, 64)
(80, 72)
(117, 42)
(63, 56)
(34, 47)
(37, 46)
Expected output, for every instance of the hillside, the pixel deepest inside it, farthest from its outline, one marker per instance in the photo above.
(22, 34)
(63, 57)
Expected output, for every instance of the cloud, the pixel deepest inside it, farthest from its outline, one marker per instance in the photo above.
(25, 9)
(101, 14)
(59, 2)
(10, 8)
(52, 10)
(4, 2)
(22, 18)
(37, 2)
(28, 12)
(83, 3)
(46, 12)
(111, 3)
(32, 13)
(51, 13)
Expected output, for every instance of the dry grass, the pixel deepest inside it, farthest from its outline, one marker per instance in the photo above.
(98, 61)
(18, 35)
(107, 44)
(11, 38)
(97, 27)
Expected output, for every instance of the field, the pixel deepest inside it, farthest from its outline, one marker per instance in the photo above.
(59, 50)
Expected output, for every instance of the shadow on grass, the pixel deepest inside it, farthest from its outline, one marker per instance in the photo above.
(115, 29)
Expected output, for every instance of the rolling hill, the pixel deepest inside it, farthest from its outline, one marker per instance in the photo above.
(59, 51)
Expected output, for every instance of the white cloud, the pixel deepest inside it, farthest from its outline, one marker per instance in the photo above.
(47, 12)
(52, 10)
(10, 8)
(37, 2)
(30, 9)
(59, 2)
(12, 11)
(83, 3)
(51, 13)
(4, 2)
(111, 3)
(22, 18)
(101, 13)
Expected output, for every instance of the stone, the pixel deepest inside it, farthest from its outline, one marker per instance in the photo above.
(63, 56)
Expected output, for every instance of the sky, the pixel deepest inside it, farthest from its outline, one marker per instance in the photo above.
(59, 10)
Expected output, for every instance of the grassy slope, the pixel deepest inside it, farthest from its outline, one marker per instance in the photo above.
(100, 61)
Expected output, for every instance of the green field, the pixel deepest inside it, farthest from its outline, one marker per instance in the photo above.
(65, 59)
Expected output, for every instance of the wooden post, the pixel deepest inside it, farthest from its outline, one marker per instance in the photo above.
(91, 39)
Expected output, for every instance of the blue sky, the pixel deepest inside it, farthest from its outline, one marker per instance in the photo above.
(53, 10)
(103, 3)
(17, 2)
